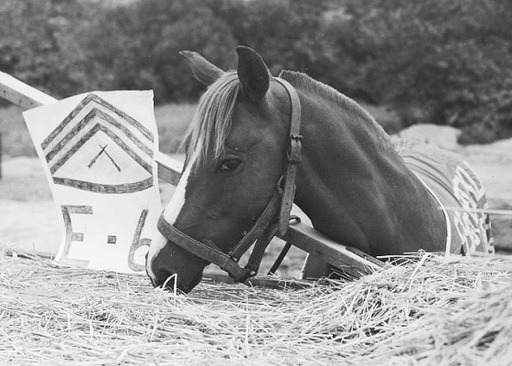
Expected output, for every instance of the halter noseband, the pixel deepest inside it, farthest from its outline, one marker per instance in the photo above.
(278, 209)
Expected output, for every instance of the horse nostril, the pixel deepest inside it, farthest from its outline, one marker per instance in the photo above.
(165, 279)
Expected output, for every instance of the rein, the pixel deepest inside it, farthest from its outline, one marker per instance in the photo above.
(275, 217)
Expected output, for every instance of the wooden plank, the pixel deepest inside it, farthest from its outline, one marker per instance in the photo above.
(350, 260)
(169, 169)
(22, 94)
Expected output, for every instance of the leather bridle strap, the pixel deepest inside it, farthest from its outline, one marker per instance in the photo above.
(207, 250)
(293, 155)
(278, 209)
(265, 220)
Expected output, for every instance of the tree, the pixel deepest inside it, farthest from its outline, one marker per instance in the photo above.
(436, 61)
(39, 46)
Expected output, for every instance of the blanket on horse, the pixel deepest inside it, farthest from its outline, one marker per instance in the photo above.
(459, 192)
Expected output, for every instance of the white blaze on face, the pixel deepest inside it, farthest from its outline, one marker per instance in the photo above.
(171, 213)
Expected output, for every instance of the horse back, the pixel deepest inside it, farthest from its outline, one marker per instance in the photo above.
(459, 192)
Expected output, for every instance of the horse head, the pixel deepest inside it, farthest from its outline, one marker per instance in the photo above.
(235, 155)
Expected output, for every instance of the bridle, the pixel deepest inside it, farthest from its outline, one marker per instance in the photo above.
(275, 217)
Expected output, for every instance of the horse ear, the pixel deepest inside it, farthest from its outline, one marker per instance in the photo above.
(253, 74)
(203, 70)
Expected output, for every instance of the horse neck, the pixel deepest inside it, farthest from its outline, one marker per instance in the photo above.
(356, 189)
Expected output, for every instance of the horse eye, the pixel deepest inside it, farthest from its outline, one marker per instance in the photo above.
(228, 165)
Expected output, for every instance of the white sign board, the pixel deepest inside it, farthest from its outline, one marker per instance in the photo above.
(98, 153)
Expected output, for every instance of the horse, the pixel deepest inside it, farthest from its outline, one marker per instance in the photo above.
(356, 185)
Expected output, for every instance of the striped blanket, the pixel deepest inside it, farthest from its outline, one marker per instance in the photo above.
(459, 192)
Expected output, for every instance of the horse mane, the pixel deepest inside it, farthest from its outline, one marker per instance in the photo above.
(303, 81)
(212, 120)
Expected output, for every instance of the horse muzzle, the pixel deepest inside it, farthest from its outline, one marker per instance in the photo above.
(170, 269)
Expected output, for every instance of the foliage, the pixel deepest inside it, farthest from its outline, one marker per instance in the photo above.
(140, 47)
(437, 61)
(38, 42)
(445, 62)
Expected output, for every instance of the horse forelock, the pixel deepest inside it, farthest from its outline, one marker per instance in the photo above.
(212, 120)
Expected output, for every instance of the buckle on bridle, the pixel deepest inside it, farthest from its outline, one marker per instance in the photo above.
(294, 149)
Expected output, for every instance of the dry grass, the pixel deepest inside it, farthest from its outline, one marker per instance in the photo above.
(426, 311)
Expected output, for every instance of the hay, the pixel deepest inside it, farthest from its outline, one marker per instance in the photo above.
(426, 311)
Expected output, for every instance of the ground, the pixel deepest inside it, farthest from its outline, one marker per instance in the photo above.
(29, 220)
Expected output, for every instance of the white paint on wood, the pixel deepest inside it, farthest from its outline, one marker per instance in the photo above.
(97, 151)
(22, 94)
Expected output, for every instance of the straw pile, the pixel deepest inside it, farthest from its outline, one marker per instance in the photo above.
(427, 310)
